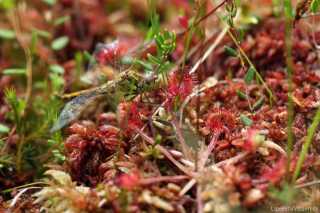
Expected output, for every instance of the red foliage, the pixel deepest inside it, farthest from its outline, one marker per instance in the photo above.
(183, 21)
(179, 87)
(134, 119)
(276, 173)
(220, 120)
(184, 4)
(252, 141)
(129, 115)
(129, 181)
(109, 53)
(87, 147)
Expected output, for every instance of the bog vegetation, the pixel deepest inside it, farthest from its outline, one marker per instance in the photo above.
(159, 106)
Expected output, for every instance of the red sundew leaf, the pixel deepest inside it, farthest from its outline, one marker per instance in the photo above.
(109, 53)
(129, 115)
(179, 87)
(253, 140)
(220, 120)
(276, 173)
(214, 124)
(183, 21)
(134, 116)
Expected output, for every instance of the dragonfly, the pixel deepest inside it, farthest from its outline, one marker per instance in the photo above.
(110, 54)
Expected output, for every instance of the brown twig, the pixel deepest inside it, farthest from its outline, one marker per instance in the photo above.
(165, 152)
(152, 180)
(184, 146)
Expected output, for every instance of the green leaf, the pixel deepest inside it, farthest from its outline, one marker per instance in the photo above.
(285, 195)
(60, 43)
(230, 51)
(57, 81)
(7, 34)
(126, 60)
(249, 75)
(42, 33)
(153, 59)
(34, 40)
(4, 128)
(192, 139)
(241, 95)
(14, 71)
(17, 105)
(250, 19)
(288, 9)
(154, 20)
(56, 68)
(7, 4)
(50, 2)
(314, 6)
(88, 57)
(145, 65)
(258, 104)
(61, 20)
(59, 157)
(246, 120)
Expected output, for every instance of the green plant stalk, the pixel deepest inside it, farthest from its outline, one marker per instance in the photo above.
(15, 21)
(276, 4)
(189, 36)
(192, 29)
(235, 41)
(287, 10)
(311, 131)
(19, 154)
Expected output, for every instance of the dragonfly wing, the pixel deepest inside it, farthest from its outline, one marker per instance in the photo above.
(73, 109)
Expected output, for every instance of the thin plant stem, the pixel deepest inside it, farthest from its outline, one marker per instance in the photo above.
(260, 79)
(210, 49)
(311, 131)
(19, 154)
(152, 180)
(15, 21)
(287, 10)
(205, 156)
(199, 199)
(190, 31)
(164, 151)
(312, 183)
(181, 139)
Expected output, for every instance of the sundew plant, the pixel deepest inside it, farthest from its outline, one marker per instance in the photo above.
(159, 106)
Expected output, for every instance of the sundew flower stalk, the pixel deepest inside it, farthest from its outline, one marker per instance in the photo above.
(288, 14)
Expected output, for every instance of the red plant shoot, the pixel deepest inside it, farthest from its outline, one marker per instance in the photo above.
(110, 53)
(129, 181)
(276, 173)
(253, 140)
(183, 21)
(179, 87)
(220, 120)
